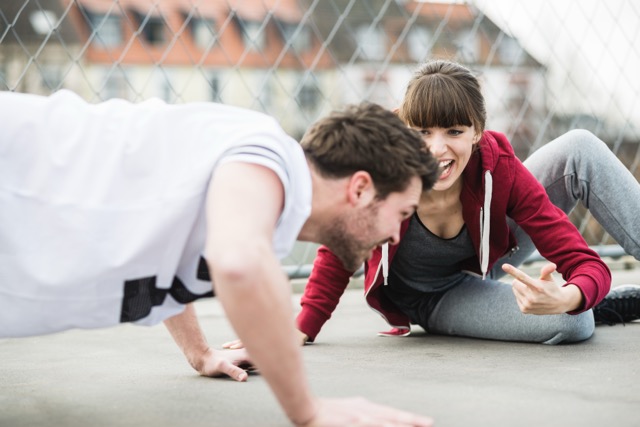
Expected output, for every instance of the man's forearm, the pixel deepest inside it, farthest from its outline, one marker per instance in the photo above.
(258, 305)
(186, 332)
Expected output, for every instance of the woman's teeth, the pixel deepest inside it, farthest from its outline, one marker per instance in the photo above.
(445, 167)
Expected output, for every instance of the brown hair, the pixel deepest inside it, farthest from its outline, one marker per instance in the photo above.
(367, 137)
(443, 94)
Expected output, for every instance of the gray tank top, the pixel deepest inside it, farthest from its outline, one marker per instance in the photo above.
(426, 262)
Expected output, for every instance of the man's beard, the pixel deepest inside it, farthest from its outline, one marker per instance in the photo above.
(348, 237)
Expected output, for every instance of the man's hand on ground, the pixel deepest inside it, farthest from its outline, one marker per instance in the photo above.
(232, 363)
(363, 413)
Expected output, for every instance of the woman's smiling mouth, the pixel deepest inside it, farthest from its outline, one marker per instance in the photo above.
(445, 168)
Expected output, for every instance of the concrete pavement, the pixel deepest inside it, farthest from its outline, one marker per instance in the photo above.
(136, 376)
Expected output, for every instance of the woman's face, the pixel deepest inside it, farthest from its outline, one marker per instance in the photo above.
(452, 147)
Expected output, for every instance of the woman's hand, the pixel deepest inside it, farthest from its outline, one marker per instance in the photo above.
(543, 295)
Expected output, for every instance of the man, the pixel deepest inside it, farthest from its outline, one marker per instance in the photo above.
(109, 211)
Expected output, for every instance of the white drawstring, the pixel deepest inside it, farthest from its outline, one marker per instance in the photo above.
(385, 262)
(485, 221)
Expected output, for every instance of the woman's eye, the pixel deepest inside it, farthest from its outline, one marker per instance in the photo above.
(455, 132)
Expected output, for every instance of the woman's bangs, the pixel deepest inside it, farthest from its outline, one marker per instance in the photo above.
(436, 104)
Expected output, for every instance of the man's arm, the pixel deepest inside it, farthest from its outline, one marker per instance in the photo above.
(243, 206)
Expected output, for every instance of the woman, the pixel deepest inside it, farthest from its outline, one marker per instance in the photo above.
(485, 215)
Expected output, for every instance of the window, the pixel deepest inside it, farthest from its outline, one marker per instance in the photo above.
(419, 43)
(51, 76)
(115, 84)
(377, 88)
(300, 41)
(468, 46)
(252, 34)
(214, 84)
(265, 94)
(106, 29)
(4, 84)
(152, 28)
(308, 96)
(166, 89)
(371, 41)
(203, 32)
(510, 51)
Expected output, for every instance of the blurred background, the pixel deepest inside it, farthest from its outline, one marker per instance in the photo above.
(546, 66)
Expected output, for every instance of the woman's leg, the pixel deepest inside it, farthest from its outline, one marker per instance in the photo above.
(574, 167)
(577, 166)
(487, 309)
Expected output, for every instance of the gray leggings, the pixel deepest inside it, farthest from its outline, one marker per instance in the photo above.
(574, 167)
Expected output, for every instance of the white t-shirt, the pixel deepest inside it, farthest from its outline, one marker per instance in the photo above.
(102, 205)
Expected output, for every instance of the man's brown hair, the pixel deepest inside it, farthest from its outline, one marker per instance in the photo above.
(369, 138)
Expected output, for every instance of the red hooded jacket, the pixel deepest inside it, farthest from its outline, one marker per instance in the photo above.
(496, 186)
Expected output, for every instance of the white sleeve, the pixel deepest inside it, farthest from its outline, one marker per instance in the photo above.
(261, 155)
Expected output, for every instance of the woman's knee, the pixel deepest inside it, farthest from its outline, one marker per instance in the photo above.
(580, 142)
(573, 328)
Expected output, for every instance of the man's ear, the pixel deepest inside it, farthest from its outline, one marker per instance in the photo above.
(360, 189)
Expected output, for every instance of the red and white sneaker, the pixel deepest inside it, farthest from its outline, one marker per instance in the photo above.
(395, 332)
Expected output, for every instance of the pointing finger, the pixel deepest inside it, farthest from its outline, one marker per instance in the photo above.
(520, 275)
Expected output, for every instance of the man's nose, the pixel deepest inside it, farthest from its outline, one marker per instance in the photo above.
(395, 237)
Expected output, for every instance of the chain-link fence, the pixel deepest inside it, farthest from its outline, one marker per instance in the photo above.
(546, 66)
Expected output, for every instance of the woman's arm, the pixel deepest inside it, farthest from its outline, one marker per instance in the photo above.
(326, 284)
(558, 240)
